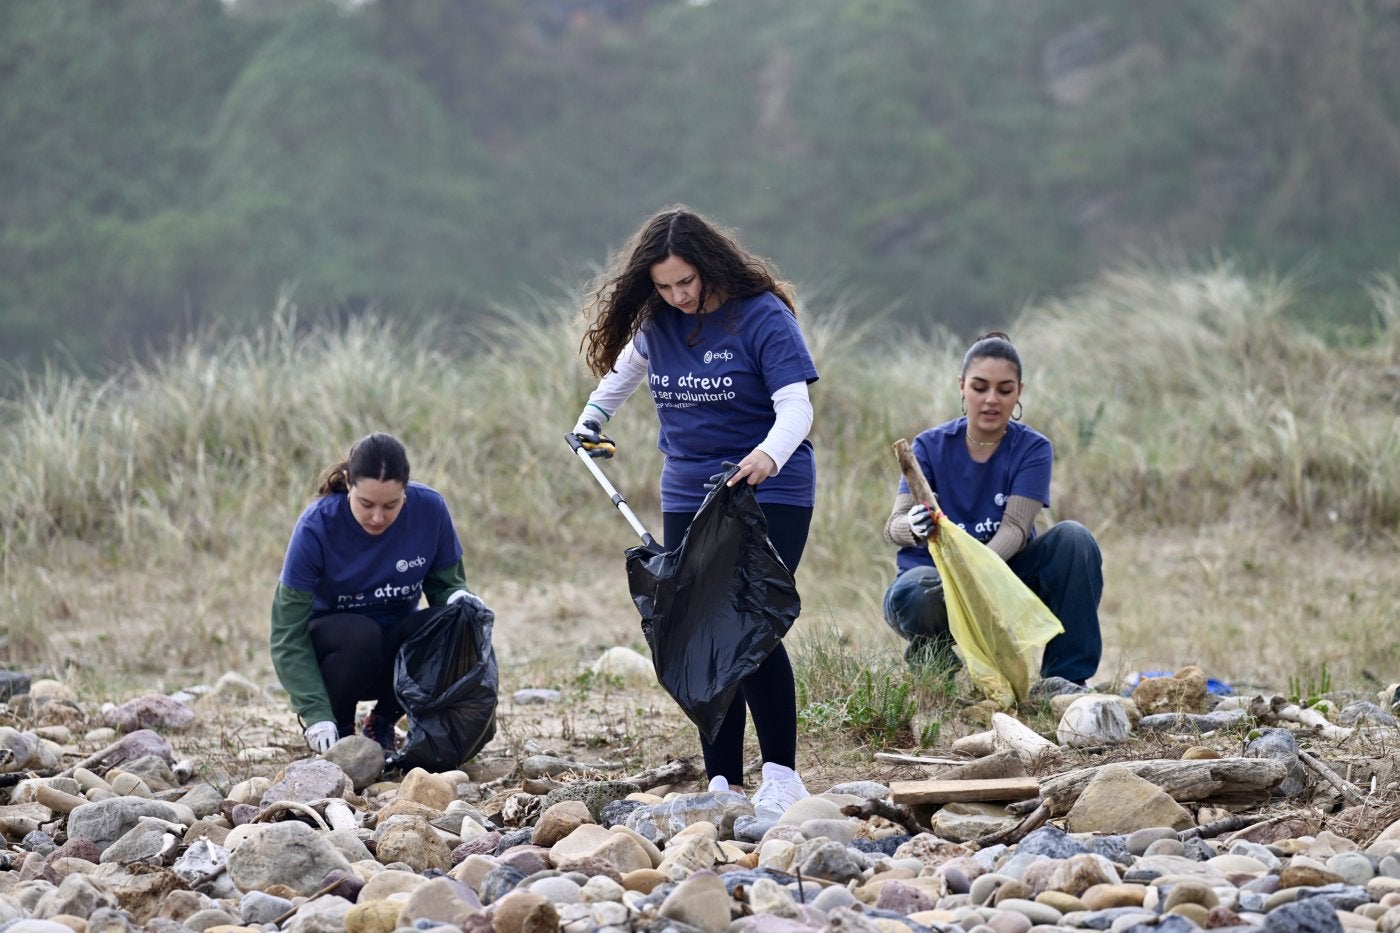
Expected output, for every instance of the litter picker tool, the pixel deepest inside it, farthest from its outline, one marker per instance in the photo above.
(578, 446)
(712, 608)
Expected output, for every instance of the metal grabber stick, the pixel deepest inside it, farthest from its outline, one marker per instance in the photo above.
(578, 447)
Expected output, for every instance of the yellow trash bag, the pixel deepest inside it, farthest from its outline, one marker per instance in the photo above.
(994, 618)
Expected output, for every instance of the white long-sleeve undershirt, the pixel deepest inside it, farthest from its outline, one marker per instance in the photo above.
(792, 406)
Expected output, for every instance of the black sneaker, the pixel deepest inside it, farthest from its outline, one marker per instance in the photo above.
(381, 729)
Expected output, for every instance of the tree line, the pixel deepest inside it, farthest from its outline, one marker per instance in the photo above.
(174, 164)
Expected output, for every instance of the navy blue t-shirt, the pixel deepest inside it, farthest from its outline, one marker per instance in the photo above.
(713, 394)
(347, 569)
(974, 494)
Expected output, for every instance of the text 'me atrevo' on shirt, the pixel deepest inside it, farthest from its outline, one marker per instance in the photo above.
(347, 569)
(713, 395)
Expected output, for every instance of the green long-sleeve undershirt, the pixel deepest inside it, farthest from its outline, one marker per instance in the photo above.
(290, 642)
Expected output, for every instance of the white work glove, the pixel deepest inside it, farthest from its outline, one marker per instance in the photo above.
(321, 736)
(473, 600)
(921, 521)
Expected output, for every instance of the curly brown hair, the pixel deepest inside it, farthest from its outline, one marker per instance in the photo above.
(625, 297)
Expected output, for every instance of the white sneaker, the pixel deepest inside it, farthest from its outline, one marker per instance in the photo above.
(719, 784)
(781, 788)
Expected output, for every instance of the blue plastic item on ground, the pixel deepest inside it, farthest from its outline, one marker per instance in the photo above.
(1213, 686)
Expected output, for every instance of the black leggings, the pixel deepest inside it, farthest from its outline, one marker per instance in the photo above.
(770, 692)
(356, 656)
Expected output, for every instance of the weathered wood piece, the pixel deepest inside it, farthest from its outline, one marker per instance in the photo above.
(1346, 788)
(1222, 780)
(1033, 748)
(917, 759)
(672, 772)
(1276, 709)
(1214, 828)
(1033, 821)
(895, 813)
(918, 483)
(965, 791)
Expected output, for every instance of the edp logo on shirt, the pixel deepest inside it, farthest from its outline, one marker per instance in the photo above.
(712, 355)
(403, 565)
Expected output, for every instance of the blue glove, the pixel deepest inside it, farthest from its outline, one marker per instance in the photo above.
(718, 478)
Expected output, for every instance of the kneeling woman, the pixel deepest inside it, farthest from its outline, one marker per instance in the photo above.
(992, 477)
(361, 558)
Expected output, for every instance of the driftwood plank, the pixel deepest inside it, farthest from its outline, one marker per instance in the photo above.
(1220, 780)
(918, 759)
(964, 791)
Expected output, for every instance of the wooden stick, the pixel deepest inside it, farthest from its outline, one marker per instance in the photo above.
(1276, 818)
(672, 772)
(289, 914)
(892, 812)
(1214, 828)
(918, 483)
(1349, 791)
(92, 760)
(17, 777)
(1018, 832)
(275, 810)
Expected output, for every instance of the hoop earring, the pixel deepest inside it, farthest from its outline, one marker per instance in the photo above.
(1017, 412)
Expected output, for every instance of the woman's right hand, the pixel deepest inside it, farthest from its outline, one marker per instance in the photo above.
(592, 439)
(321, 736)
(921, 522)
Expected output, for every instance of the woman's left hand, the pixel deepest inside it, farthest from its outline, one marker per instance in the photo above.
(755, 468)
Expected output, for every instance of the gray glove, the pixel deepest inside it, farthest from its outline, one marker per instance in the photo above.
(321, 736)
(473, 600)
(921, 521)
(718, 478)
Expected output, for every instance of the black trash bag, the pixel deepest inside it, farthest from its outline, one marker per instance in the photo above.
(445, 677)
(716, 606)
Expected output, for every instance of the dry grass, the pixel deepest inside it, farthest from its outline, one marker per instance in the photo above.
(1243, 478)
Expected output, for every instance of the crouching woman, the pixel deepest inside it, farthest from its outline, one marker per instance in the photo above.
(362, 557)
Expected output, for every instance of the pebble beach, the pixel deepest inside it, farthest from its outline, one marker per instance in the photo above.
(115, 827)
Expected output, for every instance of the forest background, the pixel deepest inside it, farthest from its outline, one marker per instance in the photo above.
(235, 237)
(171, 163)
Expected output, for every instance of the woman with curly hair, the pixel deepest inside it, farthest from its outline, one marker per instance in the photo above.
(713, 334)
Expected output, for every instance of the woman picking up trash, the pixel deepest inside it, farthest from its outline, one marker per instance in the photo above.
(713, 334)
(991, 475)
(361, 557)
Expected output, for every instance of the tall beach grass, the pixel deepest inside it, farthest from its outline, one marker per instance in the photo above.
(1243, 477)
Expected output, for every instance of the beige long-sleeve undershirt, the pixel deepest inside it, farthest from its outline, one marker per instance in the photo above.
(1011, 535)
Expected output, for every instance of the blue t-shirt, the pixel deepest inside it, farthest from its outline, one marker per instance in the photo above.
(380, 576)
(714, 395)
(974, 494)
